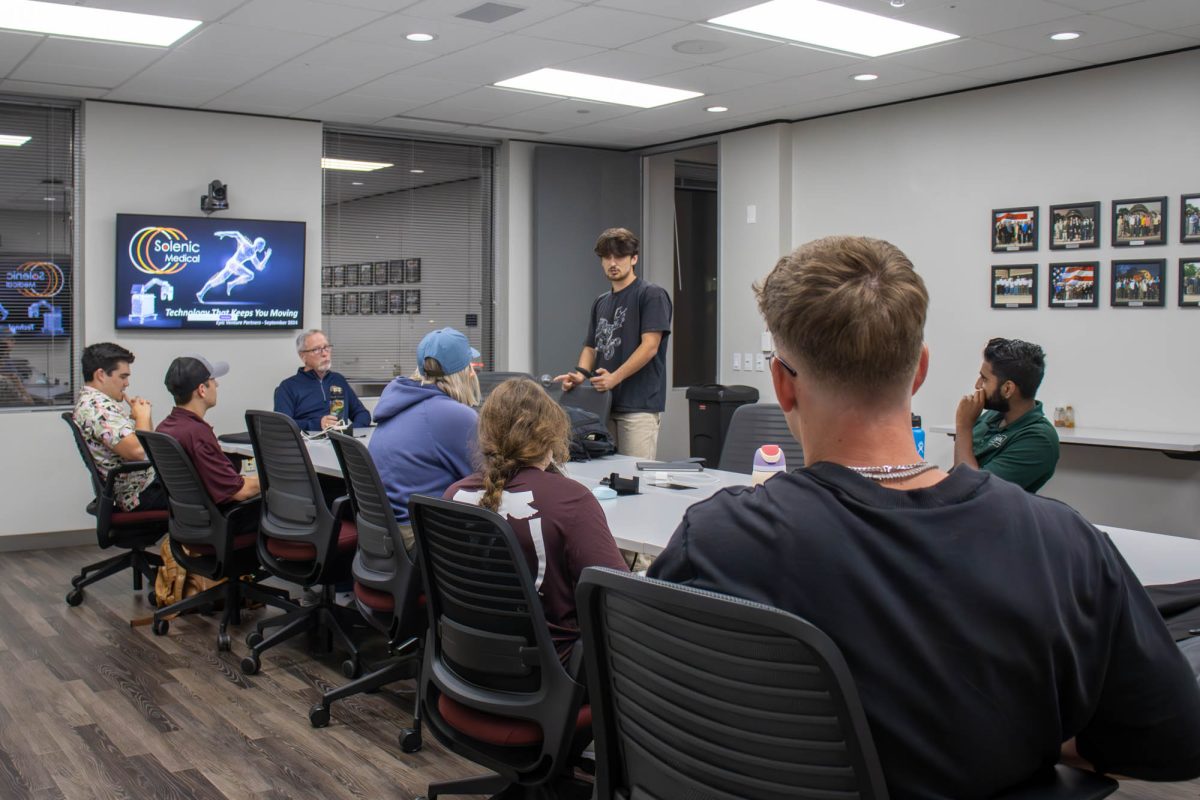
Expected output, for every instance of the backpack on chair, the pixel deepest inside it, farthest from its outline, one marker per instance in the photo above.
(589, 436)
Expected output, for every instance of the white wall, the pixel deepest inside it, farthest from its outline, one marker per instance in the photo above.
(925, 176)
(139, 159)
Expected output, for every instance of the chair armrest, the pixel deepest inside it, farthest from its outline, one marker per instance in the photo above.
(252, 505)
(123, 469)
(342, 508)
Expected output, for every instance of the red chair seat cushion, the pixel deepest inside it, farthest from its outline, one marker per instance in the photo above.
(122, 519)
(288, 550)
(375, 599)
(498, 730)
(240, 542)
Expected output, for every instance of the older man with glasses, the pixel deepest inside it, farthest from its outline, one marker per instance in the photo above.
(317, 397)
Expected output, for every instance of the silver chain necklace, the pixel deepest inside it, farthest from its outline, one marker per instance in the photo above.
(893, 472)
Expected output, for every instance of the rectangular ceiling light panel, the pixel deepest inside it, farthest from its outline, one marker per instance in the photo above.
(12, 140)
(79, 22)
(353, 166)
(821, 24)
(595, 87)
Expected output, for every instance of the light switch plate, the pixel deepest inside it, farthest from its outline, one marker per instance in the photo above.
(737, 360)
(747, 360)
(760, 362)
(767, 344)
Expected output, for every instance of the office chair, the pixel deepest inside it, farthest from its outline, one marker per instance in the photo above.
(492, 688)
(585, 397)
(131, 531)
(704, 695)
(387, 586)
(490, 380)
(300, 539)
(753, 426)
(218, 543)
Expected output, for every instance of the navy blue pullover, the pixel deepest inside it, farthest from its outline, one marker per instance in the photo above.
(305, 398)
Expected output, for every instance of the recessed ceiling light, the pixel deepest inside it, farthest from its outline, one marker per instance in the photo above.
(596, 87)
(93, 23)
(417, 171)
(821, 24)
(865, 76)
(420, 37)
(353, 166)
(716, 109)
(897, 3)
(356, 183)
(1065, 36)
(12, 140)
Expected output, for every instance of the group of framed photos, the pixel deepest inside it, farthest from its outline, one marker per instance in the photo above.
(1133, 283)
(380, 301)
(1133, 222)
(376, 273)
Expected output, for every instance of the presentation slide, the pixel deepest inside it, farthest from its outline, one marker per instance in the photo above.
(207, 273)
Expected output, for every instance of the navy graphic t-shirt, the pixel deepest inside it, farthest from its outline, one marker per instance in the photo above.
(617, 323)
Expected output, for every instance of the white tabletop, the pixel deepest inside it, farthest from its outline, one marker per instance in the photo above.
(645, 522)
(1112, 437)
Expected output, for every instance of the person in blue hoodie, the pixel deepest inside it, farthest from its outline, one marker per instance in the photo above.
(425, 439)
(316, 396)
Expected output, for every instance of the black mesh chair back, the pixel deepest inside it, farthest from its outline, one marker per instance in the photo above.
(753, 426)
(132, 530)
(297, 530)
(490, 380)
(585, 397)
(488, 646)
(696, 694)
(382, 563)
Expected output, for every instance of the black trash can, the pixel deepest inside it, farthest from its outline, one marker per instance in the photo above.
(709, 410)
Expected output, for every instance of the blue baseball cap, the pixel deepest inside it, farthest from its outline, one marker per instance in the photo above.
(449, 348)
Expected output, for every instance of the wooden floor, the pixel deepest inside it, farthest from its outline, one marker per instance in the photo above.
(92, 708)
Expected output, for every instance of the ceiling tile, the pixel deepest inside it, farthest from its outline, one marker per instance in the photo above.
(504, 57)
(1025, 68)
(171, 90)
(253, 105)
(205, 10)
(389, 6)
(712, 80)
(722, 44)
(481, 105)
(1095, 30)
(601, 27)
(785, 60)
(367, 58)
(1092, 5)
(358, 105)
(221, 39)
(956, 56)
(451, 34)
(406, 86)
(688, 10)
(229, 70)
(85, 63)
(975, 17)
(419, 126)
(625, 65)
(1161, 15)
(14, 47)
(51, 89)
(302, 16)
(534, 11)
(563, 115)
(1132, 48)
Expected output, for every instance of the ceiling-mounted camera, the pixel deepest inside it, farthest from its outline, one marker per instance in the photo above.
(217, 198)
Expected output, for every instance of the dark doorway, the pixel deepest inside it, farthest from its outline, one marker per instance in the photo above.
(695, 284)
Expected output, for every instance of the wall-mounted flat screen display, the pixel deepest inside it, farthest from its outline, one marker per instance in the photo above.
(201, 273)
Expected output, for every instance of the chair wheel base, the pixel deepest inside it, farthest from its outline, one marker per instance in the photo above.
(152, 597)
(318, 716)
(410, 740)
(223, 642)
(160, 627)
(351, 668)
(253, 638)
(75, 597)
(250, 665)
(76, 580)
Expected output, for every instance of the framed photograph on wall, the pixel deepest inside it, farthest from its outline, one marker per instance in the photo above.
(1073, 284)
(412, 270)
(381, 301)
(1189, 283)
(366, 274)
(1139, 221)
(1014, 286)
(396, 271)
(337, 304)
(326, 276)
(1189, 218)
(337, 275)
(380, 269)
(366, 302)
(351, 302)
(326, 304)
(351, 274)
(1138, 283)
(1075, 226)
(1014, 229)
(412, 301)
(395, 301)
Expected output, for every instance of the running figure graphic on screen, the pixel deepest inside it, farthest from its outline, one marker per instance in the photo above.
(235, 272)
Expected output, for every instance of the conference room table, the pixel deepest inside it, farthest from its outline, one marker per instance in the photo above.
(644, 522)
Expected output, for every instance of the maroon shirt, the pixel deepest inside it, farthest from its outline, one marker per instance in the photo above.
(214, 467)
(562, 530)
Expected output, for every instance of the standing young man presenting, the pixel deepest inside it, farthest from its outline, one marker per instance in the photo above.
(625, 351)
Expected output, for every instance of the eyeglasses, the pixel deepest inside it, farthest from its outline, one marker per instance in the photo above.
(325, 348)
(775, 357)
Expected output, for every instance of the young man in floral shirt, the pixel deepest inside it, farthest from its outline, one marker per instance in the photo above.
(108, 418)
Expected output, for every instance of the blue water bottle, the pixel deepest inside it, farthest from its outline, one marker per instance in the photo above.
(918, 436)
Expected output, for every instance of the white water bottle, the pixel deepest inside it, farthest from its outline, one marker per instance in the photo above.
(768, 461)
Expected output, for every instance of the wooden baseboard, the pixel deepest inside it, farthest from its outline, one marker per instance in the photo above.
(46, 541)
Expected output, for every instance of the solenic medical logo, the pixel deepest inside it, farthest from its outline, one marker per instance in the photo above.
(36, 279)
(162, 251)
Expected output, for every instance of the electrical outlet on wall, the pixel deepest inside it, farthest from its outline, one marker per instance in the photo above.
(747, 360)
(737, 360)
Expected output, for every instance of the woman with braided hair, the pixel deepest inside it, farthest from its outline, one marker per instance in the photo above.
(561, 527)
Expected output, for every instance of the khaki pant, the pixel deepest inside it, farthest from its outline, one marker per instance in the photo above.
(635, 434)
